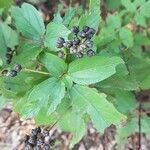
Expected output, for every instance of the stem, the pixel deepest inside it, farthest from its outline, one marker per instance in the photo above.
(36, 71)
(139, 122)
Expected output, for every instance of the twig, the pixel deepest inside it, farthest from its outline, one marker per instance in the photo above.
(139, 123)
(35, 71)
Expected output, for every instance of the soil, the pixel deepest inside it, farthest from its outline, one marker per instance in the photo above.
(13, 130)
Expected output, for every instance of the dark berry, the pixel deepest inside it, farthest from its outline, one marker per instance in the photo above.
(38, 148)
(45, 133)
(26, 138)
(32, 140)
(9, 50)
(79, 55)
(73, 49)
(82, 34)
(34, 132)
(38, 129)
(68, 44)
(59, 45)
(4, 72)
(46, 147)
(8, 56)
(75, 29)
(89, 44)
(18, 68)
(61, 40)
(61, 54)
(76, 41)
(40, 142)
(91, 31)
(29, 147)
(86, 28)
(52, 142)
(13, 73)
(90, 53)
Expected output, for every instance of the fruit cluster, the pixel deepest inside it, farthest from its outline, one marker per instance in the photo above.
(9, 55)
(81, 44)
(12, 73)
(39, 140)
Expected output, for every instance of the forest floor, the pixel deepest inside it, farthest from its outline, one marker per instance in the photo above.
(13, 130)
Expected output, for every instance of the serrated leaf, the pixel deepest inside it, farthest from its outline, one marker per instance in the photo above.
(72, 121)
(5, 3)
(50, 92)
(102, 112)
(92, 70)
(140, 70)
(126, 37)
(116, 4)
(55, 65)
(53, 32)
(92, 18)
(19, 85)
(8, 38)
(119, 82)
(57, 18)
(69, 14)
(125, 101)
(27, 54)
(144, 9)
(140, 19)
(128, 5)
(28, 21)
(114, 21)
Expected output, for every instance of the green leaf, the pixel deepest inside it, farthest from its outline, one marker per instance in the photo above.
(102, 112)
(125, 101)
(140, 19)
(8, 38)
(57, 18)
(116, 4)
(69, 14)
(92, 70)
(50, 92)
(113, 21)
(138, 3)
(19, 85)
(2, 102)
(5, 3)
(128, 5)
(92, 18)
(144, 9)
(126, 37)
(55, 65)
(53, 32)
(119, 82)
(27, 54)
(28, 21)
(140, 70)
(72, 121)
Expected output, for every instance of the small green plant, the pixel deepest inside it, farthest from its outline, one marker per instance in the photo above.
(78, 68)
